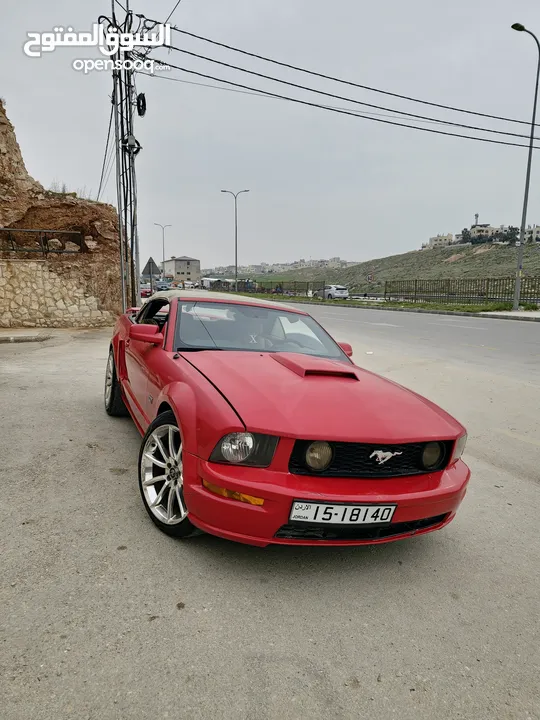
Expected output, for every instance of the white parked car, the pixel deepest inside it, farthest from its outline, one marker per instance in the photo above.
(331, 292)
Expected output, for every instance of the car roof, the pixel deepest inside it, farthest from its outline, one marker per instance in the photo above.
(217, 297)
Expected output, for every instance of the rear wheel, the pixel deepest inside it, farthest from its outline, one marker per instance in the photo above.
(161, 478)
(114, 402)
(330, 297)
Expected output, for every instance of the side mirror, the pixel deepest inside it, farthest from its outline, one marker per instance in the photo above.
(146, 333)
(347, 349)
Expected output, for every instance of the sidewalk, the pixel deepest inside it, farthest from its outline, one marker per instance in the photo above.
(532, 315)
(20, 335)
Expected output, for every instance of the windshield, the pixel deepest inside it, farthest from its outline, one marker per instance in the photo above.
(223, 326)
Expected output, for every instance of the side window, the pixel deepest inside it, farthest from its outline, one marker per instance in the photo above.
(154, 313)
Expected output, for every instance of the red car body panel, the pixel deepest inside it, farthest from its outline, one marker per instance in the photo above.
(319, 407)
(292, 396)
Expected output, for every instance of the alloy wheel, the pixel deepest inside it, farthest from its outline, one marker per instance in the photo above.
(162, 477)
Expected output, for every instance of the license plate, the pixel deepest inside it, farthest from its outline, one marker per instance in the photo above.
(338, 514)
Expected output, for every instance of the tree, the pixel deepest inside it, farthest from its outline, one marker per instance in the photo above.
(466, 235)
(512, 235)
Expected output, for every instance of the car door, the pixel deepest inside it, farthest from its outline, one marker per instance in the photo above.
(136, 357)
(157, 363)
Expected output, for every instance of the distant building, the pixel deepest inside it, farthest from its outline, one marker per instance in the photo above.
(439, 241)
(532, 234)
(483, 230)
(183, 268)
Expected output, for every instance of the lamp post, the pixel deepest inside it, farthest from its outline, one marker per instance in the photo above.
(235, 196)
(519, 262)
(163, 240)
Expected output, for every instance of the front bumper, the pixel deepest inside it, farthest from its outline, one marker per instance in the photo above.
(424, 503)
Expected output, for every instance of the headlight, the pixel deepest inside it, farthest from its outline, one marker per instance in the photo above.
(237, 447)
(318, 456)
(244, 448)
(432, 455)
(459, 448)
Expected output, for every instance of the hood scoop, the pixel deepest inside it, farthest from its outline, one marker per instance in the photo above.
(309, 366)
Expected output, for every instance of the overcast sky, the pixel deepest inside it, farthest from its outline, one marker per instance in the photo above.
(321, 184)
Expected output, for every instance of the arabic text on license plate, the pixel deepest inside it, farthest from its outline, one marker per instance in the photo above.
(339, 514)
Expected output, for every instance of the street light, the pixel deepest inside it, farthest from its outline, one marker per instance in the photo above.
(163, 238)
(235, 196)
(519, 262)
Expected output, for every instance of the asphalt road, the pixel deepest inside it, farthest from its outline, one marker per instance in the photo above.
(498, 345)
(105, 618)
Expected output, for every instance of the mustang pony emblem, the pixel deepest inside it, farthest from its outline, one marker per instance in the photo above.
(381, 456)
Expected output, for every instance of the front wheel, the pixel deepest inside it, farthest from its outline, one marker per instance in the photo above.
(161, 478)
(114, 402)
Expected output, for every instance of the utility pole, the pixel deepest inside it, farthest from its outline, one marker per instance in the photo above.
(519, 255)
(163, 241)
(235, 196)
(127, 147)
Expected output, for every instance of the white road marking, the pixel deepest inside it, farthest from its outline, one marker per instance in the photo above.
(358, 322)
(337, 317)
(464, 327)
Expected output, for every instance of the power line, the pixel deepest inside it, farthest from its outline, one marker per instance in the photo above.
(172, 12)
(341, 97)
(105, 153)
(345, 112)
(261, 94)
(347, 82)
(108, 171)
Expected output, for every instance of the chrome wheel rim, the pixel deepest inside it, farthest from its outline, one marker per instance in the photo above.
(109, 377)
(162, 476)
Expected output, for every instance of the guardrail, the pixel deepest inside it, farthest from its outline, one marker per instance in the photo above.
(292, 288)
(462, 291)
(42, 241)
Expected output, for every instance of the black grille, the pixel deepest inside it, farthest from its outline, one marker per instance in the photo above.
(354, 460)
(355, 532)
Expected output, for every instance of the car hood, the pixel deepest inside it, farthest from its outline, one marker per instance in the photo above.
(301, 396)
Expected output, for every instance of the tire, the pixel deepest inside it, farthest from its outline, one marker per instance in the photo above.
(329, 297)
(114, 402)
(164, 498)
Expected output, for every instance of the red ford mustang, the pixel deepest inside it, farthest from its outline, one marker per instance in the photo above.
(259, 428)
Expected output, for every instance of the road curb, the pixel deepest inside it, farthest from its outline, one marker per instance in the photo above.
(5, 339)
(417, 310)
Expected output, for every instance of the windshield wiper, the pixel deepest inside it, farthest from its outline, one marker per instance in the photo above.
(197, 349)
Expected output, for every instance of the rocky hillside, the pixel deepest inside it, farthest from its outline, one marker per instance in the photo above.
(25, 204)
(480, 261)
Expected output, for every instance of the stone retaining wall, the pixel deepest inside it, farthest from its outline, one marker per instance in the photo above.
(32, 294)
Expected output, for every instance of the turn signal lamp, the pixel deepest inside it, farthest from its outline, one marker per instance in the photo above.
(232, 495)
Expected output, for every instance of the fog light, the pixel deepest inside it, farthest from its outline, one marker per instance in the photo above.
(432, 455)
(232, 495)
(319, 456)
